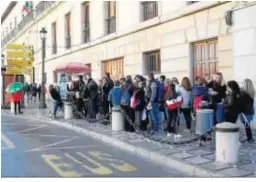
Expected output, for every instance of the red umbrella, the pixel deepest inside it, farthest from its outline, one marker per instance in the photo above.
(71, 68)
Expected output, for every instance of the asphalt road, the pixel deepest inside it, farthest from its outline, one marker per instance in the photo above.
(31, 148)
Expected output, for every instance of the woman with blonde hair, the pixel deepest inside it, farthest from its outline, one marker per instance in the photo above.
(185, 91)
(247, 106)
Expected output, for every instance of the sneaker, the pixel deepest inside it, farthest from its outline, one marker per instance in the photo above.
(177, 136)
(170, 134)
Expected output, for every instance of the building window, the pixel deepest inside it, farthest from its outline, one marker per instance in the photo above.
(111, 16)
(55, 77)
(191, 2)
(149, 9)
(54, 38)
(67, 31)
(205, 55)
(152, 62)
(86, 21)
(15, 22)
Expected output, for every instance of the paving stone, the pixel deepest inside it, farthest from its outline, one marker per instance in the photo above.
(215, 166)
(150, 146)
(167, 151)
(235, 172)
(182, 155)
(200, 152)
(249, 167)
(197, 160)
(247, 157)
(136, 141)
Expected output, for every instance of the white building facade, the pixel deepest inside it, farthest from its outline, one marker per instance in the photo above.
(175, 38)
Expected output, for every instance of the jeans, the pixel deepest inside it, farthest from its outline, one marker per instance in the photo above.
(93, 108)
(186, 112)
(56, 107)
(154, 115)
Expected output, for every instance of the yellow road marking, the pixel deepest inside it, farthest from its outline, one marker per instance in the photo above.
(119, 164)
(59, 167)
(7, 142)
(100, 169)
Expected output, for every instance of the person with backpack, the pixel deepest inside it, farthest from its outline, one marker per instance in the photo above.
(247, 101)
(153, 101)
(126, 94)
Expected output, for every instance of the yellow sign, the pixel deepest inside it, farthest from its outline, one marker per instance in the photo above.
(13, 62)
(18, 46)
(19, 54)
(14, 70)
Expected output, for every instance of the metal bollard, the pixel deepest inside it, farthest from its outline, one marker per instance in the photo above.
(117, 119)
(12, 107)
(227, 143)
(68, 113)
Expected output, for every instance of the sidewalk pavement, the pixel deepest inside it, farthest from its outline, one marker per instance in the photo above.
(188, 158)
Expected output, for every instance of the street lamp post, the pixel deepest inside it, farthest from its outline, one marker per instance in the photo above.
(42, 104)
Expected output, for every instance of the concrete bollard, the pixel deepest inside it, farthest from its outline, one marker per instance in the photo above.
(68, 112)
(12, 107)
(227, 143)
(117, 119)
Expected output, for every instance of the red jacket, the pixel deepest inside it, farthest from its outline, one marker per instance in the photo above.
(16, 97)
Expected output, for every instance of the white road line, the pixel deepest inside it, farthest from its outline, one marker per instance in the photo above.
(60, 136)
(18, 124)
(7, 142)
(52, 144)
(30, 129)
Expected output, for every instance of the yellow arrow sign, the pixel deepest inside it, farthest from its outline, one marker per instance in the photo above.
(19, 54)
(14, 70)
(18, 46)
(13, 62)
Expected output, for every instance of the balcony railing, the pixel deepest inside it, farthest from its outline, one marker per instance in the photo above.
(54, 47)
(42, 6)
(111, 24)
(27, 19)
(68, 42)
(86, 32)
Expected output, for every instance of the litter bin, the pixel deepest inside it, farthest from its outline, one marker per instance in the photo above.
(227, 143)
(117, 119)
(68, 112)
(204, 120)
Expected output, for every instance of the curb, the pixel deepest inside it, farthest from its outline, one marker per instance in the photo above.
(170, 162)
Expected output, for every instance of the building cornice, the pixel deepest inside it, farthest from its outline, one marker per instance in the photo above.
(8, 10)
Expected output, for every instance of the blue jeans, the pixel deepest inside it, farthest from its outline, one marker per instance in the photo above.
(154, 115)
(56, 107)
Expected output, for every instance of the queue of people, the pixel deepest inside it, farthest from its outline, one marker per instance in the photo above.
(161, 101)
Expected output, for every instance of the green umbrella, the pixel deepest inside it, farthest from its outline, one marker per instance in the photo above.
(14, 87)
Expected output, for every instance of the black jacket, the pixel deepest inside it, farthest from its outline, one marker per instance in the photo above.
(55, 95)
(221, 89)
(140, 100)
(232, 107)
(92, 89)
(247, 104)
(105, 91)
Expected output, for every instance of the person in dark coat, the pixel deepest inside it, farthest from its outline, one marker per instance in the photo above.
(110, 81)
(232, 107)
(105, 91)
(219, 87)
(93, 96)
(128, 87)
(140, 105)
(34, 92)
(55, 96)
